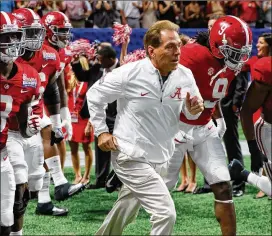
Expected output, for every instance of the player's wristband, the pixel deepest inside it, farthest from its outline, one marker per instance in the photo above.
(65, 114)
(56, 121)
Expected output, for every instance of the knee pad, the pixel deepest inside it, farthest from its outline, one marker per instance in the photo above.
(15, 148)
(35, 183)
(5, 231)
(35, 161)
(21, 200)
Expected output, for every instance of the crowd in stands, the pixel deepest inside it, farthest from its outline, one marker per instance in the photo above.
(187, 14)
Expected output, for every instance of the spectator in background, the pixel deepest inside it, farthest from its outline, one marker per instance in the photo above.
(48, 6)
(168, 10)
(212, 20)
(249, 12)
(231, 8)
(103, 14)
(149, 13)
(188, 184)
(82, 129)
(116, 13)
(194, 16)
(77, 12)
(107, 61)
(21, 4)
(215, 8)
(7, 6)
(267, 10)
(130, 12)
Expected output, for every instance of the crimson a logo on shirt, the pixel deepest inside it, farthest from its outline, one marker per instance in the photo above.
(29, 82)
(177, 94)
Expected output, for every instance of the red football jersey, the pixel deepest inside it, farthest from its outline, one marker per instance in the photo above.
(204, 66)
(65, 56)
(262, 71)
(23, 88)
(46, 61)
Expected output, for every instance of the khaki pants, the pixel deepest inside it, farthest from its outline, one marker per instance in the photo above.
(143, 186)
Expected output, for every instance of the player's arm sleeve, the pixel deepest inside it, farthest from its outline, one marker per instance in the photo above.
(194, 91)
(104, 91)
(240, 89)
(52, 98)
(62, 90)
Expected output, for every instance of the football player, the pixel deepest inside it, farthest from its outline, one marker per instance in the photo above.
(20, 85)
(58, 35)
(214, 65)
(258, 135)
(45, 60)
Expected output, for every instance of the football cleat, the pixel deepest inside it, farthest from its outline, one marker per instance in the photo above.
(64, 191)
(49, 209)
(237, 171)
(113, 183)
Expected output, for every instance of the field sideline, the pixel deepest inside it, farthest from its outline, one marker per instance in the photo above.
(194, 214)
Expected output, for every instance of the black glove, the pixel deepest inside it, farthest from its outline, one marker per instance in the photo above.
(56, 136)
(257, 157)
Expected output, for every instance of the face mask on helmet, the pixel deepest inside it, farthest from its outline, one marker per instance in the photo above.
(61, 36)
(34, 37)
(234, 57)
(11, 45)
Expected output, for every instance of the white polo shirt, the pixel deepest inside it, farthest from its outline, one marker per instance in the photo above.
(147, 110)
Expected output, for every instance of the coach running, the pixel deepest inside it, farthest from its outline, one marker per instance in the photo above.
(150, 95)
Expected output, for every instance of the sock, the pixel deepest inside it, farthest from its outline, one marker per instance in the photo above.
(20, 232)
(54, 166)
(261, 182)
(44, 194)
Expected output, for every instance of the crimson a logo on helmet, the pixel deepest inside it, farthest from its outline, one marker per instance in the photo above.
(49, 19)
(210, 71)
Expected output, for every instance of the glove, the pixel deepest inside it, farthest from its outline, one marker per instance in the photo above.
(56, 136)
(56, 132)
(33, 125)
(221, 127)
(257, 157)
(66, 121)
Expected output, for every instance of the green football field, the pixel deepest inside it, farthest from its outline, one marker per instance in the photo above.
(195, 214)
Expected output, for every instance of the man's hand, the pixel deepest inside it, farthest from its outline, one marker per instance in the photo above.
(88, 129)
(194, 105)
(257, 157)
(107, 142)
(221, 127)
(33, 125)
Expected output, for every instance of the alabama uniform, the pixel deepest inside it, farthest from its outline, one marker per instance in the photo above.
(206, 148)
(46, 62)
(22, 88)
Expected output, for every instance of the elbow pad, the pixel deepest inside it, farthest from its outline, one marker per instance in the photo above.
(51, 94)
